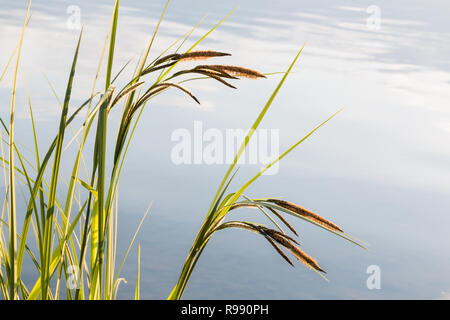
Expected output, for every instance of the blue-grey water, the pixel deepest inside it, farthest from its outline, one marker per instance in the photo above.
(381, 169)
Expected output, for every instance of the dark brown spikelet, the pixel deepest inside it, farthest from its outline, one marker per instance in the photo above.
(257, 229)
(306, 213)
(194, 55)
(201, 55)
(279, 236)
(305, 258)
(278, 250)
(214, 70)
(275, 237)
(286, 242)
(238, 71)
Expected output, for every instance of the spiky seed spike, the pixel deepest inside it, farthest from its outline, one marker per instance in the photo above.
(220, 73)
(297, 252)
(239, 71)
(202, 55)
(305, 258)
(278, 249)
(276, 234)
(281, 240)
(306, 213)
(256, 229)
(194, 55)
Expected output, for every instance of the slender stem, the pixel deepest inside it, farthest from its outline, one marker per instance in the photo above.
(12, 184)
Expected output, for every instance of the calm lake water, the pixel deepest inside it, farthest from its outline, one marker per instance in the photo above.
(381, 169)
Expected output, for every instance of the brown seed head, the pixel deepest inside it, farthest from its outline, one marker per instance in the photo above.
(305, 258)
(238, 71)
(306, 213)
(286, 242)
(201, 55)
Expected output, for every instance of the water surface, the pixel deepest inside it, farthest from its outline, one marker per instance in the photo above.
(380, 169)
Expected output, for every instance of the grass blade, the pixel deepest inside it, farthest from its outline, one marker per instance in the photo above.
(12, 277)
(54, 179)
(112, 44)
(138, 279)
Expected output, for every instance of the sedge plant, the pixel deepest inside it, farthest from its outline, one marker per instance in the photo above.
(69, 229)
